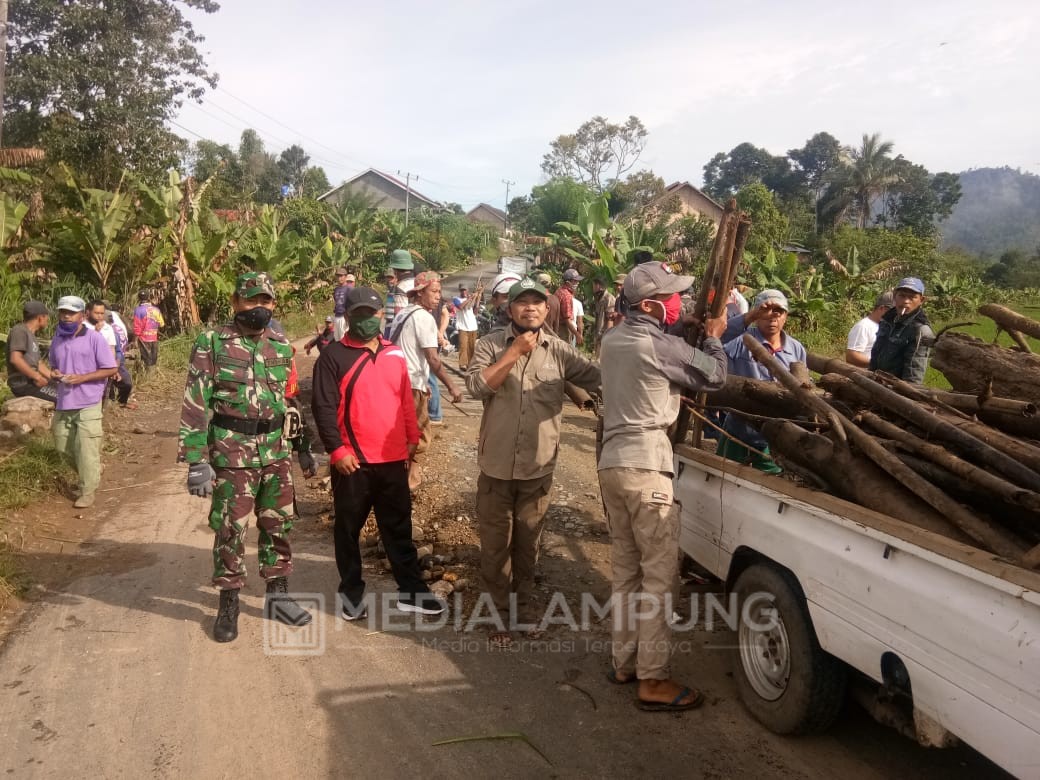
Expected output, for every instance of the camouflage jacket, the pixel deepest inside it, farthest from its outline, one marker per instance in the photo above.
(241, 377)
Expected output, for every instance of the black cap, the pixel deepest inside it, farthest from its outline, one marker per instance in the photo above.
(34, 309)
(363, 297)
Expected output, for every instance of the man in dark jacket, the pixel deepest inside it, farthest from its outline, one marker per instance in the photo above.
(905, 339)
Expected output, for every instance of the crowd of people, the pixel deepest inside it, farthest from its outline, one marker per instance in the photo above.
(86, 363)
(376, 391)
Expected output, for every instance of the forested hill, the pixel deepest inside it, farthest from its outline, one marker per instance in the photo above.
(999, 210)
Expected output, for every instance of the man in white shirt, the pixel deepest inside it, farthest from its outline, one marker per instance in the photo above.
(466, 322)
(578, 320)
(121, 383)
(864, 333)
(415, 331)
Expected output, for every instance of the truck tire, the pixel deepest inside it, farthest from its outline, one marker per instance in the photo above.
(785, 679)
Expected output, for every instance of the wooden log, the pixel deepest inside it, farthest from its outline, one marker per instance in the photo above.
(971, 365)
(969, 403)
(991, 483)
(1010, 415)
(841, 387)
(1020, 341)
(726, 223)
(941, 428)
(1024, 452)
(808, 399)
(854, 477)
(995, 539)
(1011, 320)
(756, 396)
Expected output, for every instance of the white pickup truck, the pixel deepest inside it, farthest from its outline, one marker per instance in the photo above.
(940, 639)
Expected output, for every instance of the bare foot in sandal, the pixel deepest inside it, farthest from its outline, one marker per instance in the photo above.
(667, 696)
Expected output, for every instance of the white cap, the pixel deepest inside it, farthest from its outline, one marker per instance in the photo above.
(406, 285)
(502, 283)
(71, 303)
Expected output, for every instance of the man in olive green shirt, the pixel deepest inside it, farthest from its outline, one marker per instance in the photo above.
(519, 373)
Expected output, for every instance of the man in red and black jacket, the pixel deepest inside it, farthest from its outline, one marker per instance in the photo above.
(363, 409)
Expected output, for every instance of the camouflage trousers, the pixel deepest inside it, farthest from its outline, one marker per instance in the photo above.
(266, 492)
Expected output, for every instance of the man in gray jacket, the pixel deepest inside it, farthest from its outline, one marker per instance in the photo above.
(644, 373)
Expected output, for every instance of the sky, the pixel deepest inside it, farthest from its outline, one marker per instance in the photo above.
(466, 93)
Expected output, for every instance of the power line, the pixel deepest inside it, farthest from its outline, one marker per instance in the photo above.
(282, 124)
(262, 133)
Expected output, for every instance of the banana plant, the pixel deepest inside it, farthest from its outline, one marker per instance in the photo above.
(101, 227)
(12, 212)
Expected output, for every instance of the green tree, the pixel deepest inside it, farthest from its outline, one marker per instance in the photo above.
(597, 153)
(769, 228)
(635, 193)
(560, 200)
(315, 182)
(94, 82)
(292, 164)
(814, 164)
(728, 172)
(519, 210)
(919, 200)
(856, 185)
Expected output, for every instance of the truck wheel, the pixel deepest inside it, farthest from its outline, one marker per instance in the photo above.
(783, 675)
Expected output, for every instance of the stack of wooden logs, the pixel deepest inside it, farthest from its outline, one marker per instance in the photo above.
(963, 464)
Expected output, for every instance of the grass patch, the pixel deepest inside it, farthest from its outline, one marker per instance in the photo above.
(32, 470)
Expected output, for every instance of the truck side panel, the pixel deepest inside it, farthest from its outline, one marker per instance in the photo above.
(972, 649)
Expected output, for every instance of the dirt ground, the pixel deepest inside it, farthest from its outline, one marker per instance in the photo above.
(108, 669)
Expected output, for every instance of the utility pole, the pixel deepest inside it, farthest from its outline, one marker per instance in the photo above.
(508, 185)
(3, 63)
(407, 193)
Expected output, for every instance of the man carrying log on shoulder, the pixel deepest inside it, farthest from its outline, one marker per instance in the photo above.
(905, 339)
(765, 322)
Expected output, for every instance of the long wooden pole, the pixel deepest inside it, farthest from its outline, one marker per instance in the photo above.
(945, 430)
(994, 539)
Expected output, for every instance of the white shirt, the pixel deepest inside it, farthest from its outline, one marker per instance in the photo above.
(419, 332)
(465, 319)
(109, 334)
(863, 335)
(736, 304)
(577, 312)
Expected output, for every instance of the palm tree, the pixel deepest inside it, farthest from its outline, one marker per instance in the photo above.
(865, 174)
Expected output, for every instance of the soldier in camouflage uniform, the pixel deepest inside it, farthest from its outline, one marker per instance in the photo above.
(233, 437)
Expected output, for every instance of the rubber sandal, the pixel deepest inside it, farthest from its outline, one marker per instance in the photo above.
(615, 680)
(673, 705)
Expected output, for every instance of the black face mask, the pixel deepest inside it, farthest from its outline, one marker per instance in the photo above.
(256, 318)
(518, 329)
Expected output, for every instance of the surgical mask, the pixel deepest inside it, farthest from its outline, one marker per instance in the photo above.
(365, 328)
(672, 309)
(253, 319)
(68, 328)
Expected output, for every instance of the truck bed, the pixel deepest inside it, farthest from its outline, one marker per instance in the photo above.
(964, 622)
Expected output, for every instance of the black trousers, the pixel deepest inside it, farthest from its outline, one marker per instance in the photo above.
(382, 487)
(121, 385)
(46, 393)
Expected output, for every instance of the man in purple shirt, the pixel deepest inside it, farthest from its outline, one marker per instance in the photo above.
(82, 362)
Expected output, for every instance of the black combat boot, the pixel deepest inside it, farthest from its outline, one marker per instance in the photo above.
(226, 627)
(279, 605)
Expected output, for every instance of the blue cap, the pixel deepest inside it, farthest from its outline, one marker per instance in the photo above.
(911, 283)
